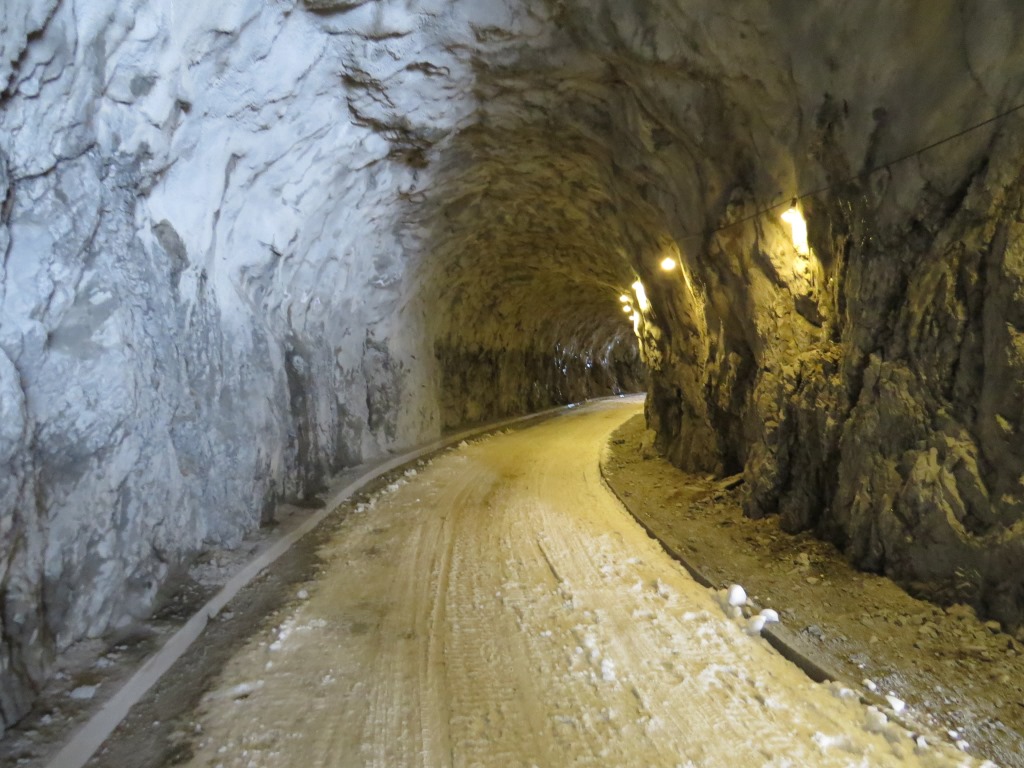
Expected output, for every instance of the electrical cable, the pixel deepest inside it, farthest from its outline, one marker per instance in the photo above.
(857, 176)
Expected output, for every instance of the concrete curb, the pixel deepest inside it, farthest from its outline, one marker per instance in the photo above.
(815, 665)
(818, 666)
(90, 737)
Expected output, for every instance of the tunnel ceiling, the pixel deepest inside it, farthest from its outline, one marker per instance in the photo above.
(251, 243)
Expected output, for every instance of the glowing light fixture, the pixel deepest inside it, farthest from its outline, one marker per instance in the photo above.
(641, 296)
(798, 229)
(625, 298)
(668, 264)
(627, 308)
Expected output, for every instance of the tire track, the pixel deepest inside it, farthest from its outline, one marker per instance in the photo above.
(501, 609)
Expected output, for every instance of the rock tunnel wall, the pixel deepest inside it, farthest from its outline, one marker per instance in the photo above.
(246, 244)
(213, 234)
(871, 391)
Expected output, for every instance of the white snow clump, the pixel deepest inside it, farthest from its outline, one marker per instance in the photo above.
(737, 595)
(83, 692)
(771, 616)
(755, 624)
(875, 720)
(608, 670)
(898, 705)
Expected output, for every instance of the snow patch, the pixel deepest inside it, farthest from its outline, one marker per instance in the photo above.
(737, 595)
(875, 720)
(898, 705)
(826, 742)
(235, 692)
(366, 506)
(771, 616)
(755, 624)
(840, 691)
(83, 692)
(608, 670)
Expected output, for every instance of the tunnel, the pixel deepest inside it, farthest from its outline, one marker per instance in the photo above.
(248, 245)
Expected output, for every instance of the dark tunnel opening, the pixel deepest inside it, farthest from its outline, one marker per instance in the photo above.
(527, 265)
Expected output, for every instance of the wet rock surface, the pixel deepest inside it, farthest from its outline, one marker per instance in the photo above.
(955, 671)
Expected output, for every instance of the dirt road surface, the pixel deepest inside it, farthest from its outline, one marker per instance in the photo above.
(500, 608)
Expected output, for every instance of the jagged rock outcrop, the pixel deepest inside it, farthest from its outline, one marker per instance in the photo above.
(243, 246)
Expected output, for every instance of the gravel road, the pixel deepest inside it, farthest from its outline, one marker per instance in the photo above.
(498, 607)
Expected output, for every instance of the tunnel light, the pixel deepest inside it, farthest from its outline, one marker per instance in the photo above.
(625, 298)
(668, 264)
(641, 296)
(798, 229)
(627, 308)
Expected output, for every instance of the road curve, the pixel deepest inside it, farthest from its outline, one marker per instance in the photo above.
(500, 608)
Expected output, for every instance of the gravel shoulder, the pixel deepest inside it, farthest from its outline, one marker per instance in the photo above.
(955, 672)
